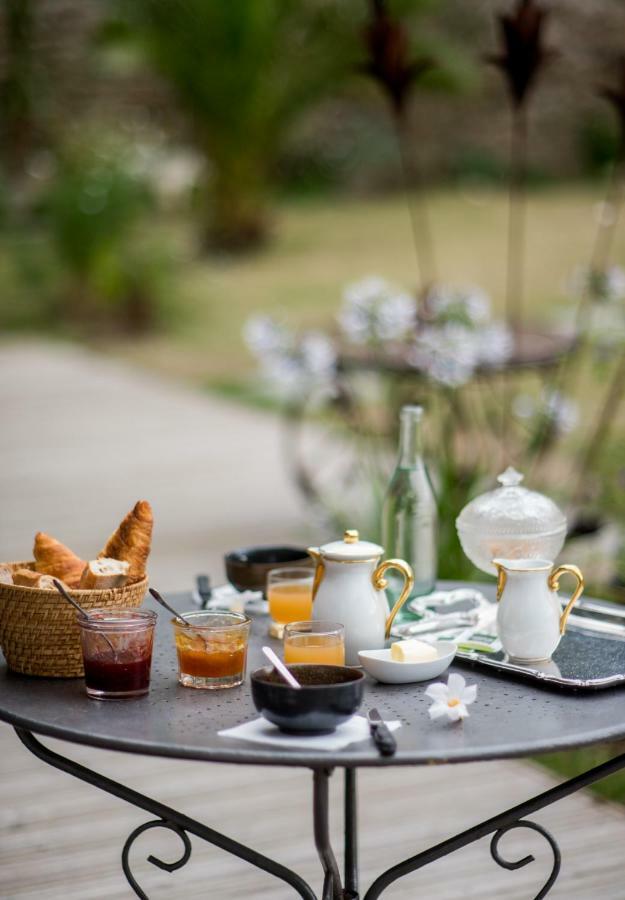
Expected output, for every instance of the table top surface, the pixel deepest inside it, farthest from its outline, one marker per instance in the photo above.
(509, 718)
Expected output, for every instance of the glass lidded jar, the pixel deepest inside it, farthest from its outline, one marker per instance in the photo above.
(511, 522)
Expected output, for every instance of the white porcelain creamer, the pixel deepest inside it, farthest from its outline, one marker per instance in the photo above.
(349, 588)
(530, 619)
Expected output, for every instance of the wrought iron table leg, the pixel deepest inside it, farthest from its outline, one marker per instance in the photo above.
(497, 826)
(332, 889)
(351, 836)
(167, 817)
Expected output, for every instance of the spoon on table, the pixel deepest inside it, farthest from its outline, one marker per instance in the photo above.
(83, 612)
(282, 669)
(169, 608)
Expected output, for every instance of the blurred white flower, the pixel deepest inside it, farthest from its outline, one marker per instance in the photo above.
(289, 364)
(561, 412)
(468, 306)
(450, 353)
(447, 354)
(262, 334)
(374, 310)
(451, 699)
(605, 285)
(496, 344)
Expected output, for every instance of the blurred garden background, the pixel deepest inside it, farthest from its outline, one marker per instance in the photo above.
(363, 202)
(326, 208)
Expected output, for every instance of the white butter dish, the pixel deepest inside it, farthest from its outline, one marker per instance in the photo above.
(379, 665)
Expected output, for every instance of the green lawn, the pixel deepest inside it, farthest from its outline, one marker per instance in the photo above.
(321, 245)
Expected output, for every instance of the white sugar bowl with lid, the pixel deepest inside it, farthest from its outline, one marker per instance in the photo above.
(349, 588)
(511, 522)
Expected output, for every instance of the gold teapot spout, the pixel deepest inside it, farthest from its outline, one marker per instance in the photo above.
(317, 558)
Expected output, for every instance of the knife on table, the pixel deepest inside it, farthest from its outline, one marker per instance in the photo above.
(382, 737)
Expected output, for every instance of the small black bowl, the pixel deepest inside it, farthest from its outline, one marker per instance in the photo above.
(329, 695)
(247, 568)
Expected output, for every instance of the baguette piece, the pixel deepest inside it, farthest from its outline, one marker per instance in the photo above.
(54, 558)
(104, 573)
(6, 575)
(132, 541)
(28, 578)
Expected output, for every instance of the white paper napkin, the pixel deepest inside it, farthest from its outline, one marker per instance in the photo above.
(260, 731)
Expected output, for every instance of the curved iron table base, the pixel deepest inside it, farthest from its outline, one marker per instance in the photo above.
(333, 887)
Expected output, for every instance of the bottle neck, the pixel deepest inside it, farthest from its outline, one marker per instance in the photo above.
(410, 438)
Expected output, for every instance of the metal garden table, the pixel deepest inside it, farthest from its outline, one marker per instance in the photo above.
(511, 719)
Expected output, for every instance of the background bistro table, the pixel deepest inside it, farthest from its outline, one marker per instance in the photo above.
(510, 719)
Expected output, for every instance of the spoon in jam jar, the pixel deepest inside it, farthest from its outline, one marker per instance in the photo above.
(83, 612)
(169, 608)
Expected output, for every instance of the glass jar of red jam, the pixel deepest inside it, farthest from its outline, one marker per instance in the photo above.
(117, 652)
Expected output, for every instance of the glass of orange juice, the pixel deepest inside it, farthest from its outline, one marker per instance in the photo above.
(320, 643)
(289, 592)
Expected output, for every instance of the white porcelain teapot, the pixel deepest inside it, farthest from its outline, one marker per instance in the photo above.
(349, 588)
(530, 619)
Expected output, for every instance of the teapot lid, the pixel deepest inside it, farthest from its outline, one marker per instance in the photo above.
(351, 548)
(511, 510)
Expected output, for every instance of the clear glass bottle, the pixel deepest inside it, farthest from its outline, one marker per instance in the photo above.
(409, 513)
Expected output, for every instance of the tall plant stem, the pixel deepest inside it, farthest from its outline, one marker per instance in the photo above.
(515, 255)
(516, 221)
(417, 206)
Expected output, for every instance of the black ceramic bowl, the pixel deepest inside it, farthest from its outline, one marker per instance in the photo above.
(247, 568)
(329, 695)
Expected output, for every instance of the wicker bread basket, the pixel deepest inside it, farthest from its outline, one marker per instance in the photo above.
(38, 630)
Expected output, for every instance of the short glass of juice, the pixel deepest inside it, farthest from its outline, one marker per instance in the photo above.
(212, 649)
(318, 643)
(117, 652)
(289, 592)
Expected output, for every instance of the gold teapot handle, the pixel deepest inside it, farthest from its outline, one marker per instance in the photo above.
(554, 584)
(317, 558)
(380, 582)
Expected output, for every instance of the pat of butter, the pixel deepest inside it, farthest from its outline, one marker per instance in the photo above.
(412, 652)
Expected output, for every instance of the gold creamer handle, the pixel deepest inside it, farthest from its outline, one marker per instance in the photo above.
(317, 558)
(501, 579)
(380, 582)
(554, 584)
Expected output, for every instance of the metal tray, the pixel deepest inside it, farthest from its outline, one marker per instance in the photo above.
(591, 655)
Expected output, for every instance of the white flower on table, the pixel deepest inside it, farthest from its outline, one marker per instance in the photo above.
(451, 699)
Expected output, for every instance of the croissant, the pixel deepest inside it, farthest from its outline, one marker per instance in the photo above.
(132, 540)
(54, 558)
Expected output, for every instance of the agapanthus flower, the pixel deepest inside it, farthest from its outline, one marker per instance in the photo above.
(561, 413)
(603, 285)
(290, 363)
(448, 353)
(375, 311)
(467, 306)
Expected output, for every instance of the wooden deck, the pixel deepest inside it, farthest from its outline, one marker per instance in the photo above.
(74, 472)
(61, 839)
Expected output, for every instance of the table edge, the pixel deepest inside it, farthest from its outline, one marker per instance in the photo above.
(290, 758)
